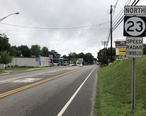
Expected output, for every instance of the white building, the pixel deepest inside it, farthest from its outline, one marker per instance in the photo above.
(24, 61)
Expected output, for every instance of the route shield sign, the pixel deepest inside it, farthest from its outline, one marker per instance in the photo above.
(134, 26)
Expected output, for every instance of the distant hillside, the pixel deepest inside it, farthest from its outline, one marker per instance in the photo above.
(114, 88)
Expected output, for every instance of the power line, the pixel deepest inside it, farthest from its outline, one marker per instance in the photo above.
(116, 24)
(120, 13)
(134, 3)
(122, 17)
(115, 6)
(57, 28)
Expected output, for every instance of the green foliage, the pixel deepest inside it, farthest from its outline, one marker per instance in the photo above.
(114, 88)
(45, 51)
(88, 57)
(54, 53)
(15, 52)
(144, 49)
(5, 58)
(73, 55)
(2, 72)
(4, 43)
(35, 50)
(105, 54)
(24, 50)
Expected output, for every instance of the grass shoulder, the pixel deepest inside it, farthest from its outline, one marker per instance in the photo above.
(23, 68)
(114, 88)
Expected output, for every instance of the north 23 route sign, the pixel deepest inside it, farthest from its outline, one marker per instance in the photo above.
(134, 26)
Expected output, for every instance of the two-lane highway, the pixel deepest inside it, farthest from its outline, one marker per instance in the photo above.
(67, 91)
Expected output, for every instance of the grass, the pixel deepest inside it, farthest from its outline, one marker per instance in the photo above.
(19, 68)
(3, 71)
(114, 88)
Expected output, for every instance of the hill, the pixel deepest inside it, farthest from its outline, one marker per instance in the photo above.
(114, 88)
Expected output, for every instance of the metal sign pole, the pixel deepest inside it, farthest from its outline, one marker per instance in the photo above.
(133, 86)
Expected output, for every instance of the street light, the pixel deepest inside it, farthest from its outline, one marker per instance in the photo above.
(8, 16)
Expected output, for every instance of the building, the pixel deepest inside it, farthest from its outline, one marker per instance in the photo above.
(29, 61)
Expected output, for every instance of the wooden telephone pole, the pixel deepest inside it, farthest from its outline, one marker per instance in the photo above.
(111, 29)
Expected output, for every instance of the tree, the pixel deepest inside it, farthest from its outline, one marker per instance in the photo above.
(5, 58)
(144, 49)
(73, 55)
(4, 43)
(35, 50)
(89, 58)
(15, 52)
(81, 55)
(65, 56)
(45, 51)
(105, 54)
(102, 56)
(24, 50)
(54, 53)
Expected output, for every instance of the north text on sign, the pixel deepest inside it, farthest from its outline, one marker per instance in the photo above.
(134, 10)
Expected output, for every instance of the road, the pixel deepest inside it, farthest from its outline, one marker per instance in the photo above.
(61, 91)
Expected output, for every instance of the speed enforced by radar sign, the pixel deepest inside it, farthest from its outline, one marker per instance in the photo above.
(134, 26)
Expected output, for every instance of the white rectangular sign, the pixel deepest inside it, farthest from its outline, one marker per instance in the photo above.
(135, 10)
(134, 47)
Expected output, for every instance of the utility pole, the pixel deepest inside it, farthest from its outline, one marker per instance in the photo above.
(104, 43)
(104, 54)
(111, 29)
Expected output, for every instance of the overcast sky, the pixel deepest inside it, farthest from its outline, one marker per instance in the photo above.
(61, 25)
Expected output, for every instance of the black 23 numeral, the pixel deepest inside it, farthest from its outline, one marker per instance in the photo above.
(132, 24)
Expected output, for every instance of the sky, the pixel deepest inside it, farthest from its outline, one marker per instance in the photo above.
(65, 26)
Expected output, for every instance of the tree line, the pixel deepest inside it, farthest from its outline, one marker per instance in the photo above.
(88, 57)
(7, 52)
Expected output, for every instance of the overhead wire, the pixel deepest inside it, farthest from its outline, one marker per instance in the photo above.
(115, 7)
(57, 28)
(120, 13)
(120, 19)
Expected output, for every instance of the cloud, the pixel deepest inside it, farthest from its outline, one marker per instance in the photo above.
(72, 25)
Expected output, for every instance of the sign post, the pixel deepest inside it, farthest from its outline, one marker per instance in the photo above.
(134, 29)
(133, 86)
(134, 49)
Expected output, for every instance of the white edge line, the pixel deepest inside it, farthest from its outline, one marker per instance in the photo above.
(73, 96)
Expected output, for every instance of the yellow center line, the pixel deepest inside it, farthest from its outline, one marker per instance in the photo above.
(33, 84)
